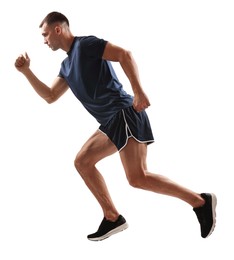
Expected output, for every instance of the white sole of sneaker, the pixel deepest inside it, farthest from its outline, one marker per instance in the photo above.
(110, 233)
(213, 205)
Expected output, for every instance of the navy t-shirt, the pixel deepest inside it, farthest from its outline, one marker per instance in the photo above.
(93, 80)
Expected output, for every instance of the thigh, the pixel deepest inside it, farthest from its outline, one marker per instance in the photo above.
(97, 147)
(133, 158)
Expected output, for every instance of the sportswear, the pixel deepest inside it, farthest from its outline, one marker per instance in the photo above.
(93, 79)
(128, 123)
(206, 214)
(108, 228)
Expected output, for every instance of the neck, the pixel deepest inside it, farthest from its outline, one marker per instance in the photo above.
(67, 41)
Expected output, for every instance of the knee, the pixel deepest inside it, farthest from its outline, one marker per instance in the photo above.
(77, 163)
(81, 162)
(136, 181)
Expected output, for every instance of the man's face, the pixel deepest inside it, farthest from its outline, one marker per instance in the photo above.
(50, 34)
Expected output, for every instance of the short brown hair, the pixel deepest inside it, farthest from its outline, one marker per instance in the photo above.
(54, 17)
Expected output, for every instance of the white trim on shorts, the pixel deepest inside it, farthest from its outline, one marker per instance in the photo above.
(127, 128)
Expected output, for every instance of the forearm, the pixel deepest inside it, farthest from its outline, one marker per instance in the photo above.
(41, 89)
(130, 68)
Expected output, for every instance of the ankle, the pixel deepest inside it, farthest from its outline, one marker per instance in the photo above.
(111, 216)
(198, 202)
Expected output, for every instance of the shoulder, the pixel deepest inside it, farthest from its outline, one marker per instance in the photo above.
(90, 40)
(92, 45)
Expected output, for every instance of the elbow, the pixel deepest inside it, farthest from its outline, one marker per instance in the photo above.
(126, 57)
(50, 100)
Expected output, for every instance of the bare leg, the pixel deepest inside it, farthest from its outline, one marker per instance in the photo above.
(133, 158)
(95, 149)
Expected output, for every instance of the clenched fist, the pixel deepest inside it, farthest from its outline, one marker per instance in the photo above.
(22, 62)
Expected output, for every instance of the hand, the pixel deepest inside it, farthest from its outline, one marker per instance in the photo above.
(22, 62)
(140, 102)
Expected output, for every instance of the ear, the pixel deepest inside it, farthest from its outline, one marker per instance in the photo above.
(58, 29)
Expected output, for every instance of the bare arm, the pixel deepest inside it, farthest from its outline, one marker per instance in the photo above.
(127, 62)
(49, 94)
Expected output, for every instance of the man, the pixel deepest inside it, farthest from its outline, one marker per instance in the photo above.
(124, 125)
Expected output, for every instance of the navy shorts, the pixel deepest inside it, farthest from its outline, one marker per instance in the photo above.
(128, 123)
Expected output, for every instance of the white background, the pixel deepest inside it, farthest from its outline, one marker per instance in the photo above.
(184, 51)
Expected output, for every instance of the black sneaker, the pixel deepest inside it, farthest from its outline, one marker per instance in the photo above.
(206, 214)
(108, 228)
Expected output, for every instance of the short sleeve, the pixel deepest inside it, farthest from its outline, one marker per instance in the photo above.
(93, 46)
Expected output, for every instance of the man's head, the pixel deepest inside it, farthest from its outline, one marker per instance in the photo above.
(54, 27)
(54, 17)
